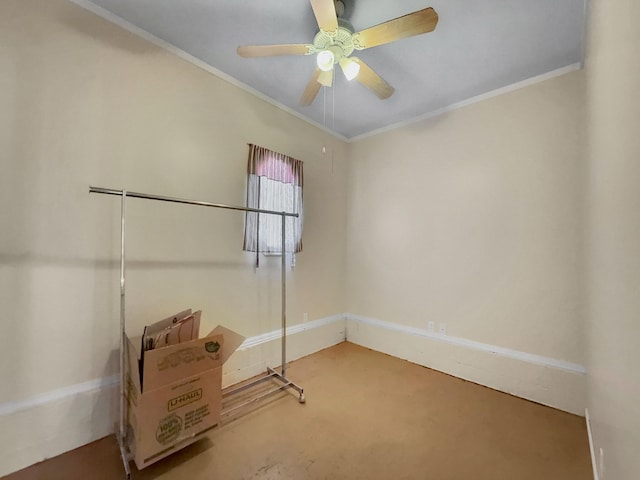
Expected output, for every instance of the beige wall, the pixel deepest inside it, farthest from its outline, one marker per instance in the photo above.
(473, 218)
(613, 77)
(85, 102)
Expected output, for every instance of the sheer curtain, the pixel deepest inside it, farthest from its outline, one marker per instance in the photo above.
(274, 182)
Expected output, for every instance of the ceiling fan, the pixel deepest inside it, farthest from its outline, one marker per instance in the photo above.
(336, 41)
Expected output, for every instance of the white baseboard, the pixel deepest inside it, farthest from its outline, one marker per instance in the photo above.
(35, 429)
(592, 449)
(256, 353)
(544, 380)
(43, 426)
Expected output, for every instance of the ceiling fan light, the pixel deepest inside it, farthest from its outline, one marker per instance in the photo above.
(350, 68)
(325, 60)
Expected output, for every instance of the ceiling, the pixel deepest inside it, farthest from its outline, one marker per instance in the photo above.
(478, 46)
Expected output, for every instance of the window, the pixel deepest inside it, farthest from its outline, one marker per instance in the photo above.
(274, 182)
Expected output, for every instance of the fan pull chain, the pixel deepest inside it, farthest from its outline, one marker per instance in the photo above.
(333, 117)
(324, 106)
(333, 107)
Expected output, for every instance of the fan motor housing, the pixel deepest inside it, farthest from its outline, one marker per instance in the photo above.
(340, 42)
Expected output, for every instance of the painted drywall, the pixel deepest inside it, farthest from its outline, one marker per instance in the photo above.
(85, 102)
(473, 219)
(613, 248)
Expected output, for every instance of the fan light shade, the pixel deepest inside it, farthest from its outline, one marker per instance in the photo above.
(325, 60)
(350, 68)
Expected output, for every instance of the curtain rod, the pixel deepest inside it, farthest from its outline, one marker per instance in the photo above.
(161, 198)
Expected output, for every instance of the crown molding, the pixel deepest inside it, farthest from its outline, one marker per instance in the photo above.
(130, 27)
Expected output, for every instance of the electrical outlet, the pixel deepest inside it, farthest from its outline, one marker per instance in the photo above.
(305, 317)
(443, 328)
(431, 327)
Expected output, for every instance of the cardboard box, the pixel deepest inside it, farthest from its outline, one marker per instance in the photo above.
(179, 397)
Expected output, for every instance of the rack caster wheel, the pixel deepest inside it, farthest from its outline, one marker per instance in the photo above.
(302, 399)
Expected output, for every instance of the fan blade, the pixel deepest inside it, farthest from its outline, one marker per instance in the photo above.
(273, 50)
(415, 23)
(373, 81)
(326, 78)
(325, 12)
(313, 87)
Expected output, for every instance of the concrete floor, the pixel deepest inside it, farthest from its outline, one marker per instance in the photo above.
(367, 416)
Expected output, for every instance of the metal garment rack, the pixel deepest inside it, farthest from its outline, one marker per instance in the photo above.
(271, 374)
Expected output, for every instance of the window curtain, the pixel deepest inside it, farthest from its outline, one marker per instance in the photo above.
(274, 182)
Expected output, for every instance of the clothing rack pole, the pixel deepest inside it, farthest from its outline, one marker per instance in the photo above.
(162, 198)
(270, 374)
(123, 404)
(283, 269)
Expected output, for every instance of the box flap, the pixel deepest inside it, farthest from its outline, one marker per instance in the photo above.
(232, 341)
(171, 363)
(131, 365)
